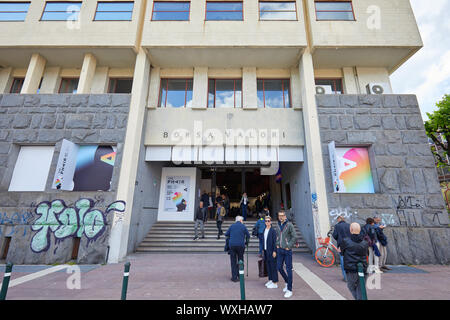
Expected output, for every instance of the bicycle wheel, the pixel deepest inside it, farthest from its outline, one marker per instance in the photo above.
(324, 257)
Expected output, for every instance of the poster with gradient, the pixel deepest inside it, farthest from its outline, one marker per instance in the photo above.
(353, 170)
(177, 193)
(94, 168)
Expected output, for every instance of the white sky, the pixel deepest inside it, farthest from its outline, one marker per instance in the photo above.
(427, 73)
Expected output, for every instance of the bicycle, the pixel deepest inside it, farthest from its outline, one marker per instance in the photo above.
(324, 255)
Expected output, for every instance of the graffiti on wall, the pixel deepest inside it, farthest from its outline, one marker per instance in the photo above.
(69, 221)
(348, 214)
(14, 220)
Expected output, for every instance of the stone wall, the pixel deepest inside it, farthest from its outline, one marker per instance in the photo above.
(41, 119)
(407, 193)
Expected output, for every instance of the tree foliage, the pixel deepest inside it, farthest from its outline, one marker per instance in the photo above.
(438, 129)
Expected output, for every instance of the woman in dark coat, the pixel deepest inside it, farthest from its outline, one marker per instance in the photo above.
(270, 253)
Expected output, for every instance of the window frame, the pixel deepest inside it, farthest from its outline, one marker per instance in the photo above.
(115, 84)
(282, 86)
(351, 4)
(67, 78)
(334, 83)
(19, 2)
(45, 6)
(272, 1)
(206, 9)
(185, 91)
(153, 10)
(234, 92)
(21, 79)
(96, 10)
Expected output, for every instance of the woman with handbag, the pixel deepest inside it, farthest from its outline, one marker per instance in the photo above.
(270, 253)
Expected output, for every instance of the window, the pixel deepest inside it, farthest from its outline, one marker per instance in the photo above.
(334, 11)
(61, 11)
(171, 11)
(117, 85)
(68, 85)
(274, 93)
(16, 86)
(175, 93)
(224, 11)
(31, 169)
(335, 85)
(277, 10)
(224, 93)
(114, 11)
(13, 11)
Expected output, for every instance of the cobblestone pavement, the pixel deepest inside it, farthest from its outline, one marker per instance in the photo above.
(207, 277)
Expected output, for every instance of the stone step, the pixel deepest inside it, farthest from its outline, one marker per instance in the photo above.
(174, 249)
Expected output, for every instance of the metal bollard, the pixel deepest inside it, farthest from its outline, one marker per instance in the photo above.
(125, 281)
(362, 281)
(241, 279)
(5, 283)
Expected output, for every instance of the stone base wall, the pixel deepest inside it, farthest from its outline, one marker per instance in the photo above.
(40, 119)
(407, 193)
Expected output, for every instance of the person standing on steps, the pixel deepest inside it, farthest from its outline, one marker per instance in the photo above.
(220, 214)
(286, 238)
(200, 219)
(244, 205)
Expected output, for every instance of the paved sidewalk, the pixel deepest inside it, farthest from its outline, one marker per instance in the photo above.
(207, 277)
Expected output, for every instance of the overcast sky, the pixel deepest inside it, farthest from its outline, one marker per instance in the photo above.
(427, 73)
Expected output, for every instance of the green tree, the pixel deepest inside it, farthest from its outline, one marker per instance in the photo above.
(438, 129)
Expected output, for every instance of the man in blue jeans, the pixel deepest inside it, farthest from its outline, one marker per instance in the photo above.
(286, 238)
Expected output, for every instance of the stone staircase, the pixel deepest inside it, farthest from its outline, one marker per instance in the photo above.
(177, 237)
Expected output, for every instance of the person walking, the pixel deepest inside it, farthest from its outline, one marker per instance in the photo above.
(259, 227)
(379, 229)
(270, 253)
(238, 237)
(244, 205)
(341, 231)
(374, 252)
(286, 238)
(220, 214)
(210, 206)
(354, 249)
(200, 219)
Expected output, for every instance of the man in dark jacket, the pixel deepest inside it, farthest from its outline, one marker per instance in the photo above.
(200, 219)
(355, 251)
(341, 231)
(270, 253)
(238, 235)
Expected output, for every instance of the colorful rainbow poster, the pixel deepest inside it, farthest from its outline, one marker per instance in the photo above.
(177, 193)
(352, 173)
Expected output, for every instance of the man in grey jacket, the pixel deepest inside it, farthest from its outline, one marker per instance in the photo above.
(200, 219)
(286, 238)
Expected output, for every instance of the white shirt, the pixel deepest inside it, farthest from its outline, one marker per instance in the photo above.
(266, 234)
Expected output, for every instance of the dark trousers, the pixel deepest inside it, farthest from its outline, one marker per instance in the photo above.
(236, 254)
(353, 284)
(285, 257)
(261, 242)
(219, 228)
(271, 265)
(244, 211)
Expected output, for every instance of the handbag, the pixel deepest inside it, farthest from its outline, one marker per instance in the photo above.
(262, 270)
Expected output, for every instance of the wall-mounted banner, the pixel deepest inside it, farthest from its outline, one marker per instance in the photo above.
(84, 168)
(350, 169)
(177, 194)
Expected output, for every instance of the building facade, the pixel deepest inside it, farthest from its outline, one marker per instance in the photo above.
(117, 114)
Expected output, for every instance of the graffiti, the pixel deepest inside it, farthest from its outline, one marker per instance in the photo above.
(347, 213)
(407, 211)
(14, 220)
(63, 221)
(407, 218)
(408, 202)
(314, 200)
(388, 219)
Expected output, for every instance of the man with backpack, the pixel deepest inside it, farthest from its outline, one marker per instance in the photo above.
(379, 229)
(370, 235)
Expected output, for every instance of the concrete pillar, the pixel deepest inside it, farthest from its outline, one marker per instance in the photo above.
(87, 74)
(155, 82)
(200, 88)
(6, 79)
(120, 229)
(313, 146)
(50, 81)
(100, 82)
(296, 97)
(350, 84)
(249, 88)
(34, 74)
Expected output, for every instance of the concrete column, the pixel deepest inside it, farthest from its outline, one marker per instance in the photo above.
(6, 79)
(350, 84)
(200, 88)
(101, 81)
(120, 229)
(87, 74)
(249, 88)
(155, 82)
(295, 89)
(50, 81)
(313, 146)
(34, 74)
